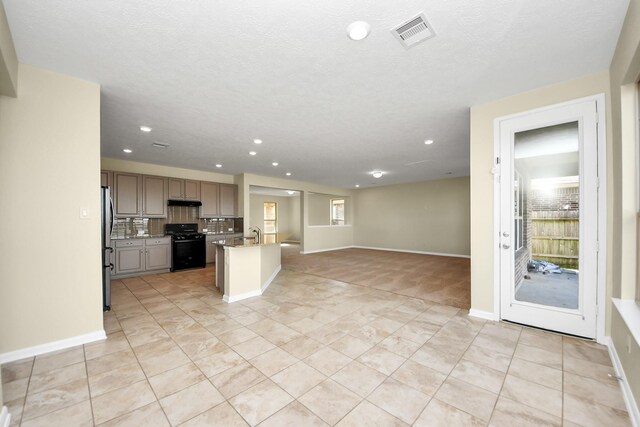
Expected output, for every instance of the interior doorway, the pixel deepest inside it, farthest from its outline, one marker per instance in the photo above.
(549, 218)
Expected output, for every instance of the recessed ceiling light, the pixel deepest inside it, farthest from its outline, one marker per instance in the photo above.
(257, 141)
(145, 128)
(290, 192)
(218, 165)
(358, 30)
(288, 174)
(429, 141)
(252, 153)
(376, 174)
(275, 163)
(357, 185)
(127, 150)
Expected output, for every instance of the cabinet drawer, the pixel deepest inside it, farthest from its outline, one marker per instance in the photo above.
(132, 243)
(158, 241)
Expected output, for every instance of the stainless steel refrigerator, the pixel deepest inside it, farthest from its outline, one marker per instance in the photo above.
(107, 250)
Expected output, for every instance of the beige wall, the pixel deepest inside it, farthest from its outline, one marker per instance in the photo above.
(482, 160)
(8, 58)
(151, 169)
(50, 280)
(294, 218)
(430, 216)
(256, 216)
(625, 72)
(320, 209)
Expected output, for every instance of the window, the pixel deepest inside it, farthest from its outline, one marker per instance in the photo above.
(270, 217)
(518, 197)
(337, 211)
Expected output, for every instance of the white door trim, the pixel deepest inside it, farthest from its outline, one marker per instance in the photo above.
(602, 208)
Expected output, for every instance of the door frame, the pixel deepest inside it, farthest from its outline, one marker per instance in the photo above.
(602, 208)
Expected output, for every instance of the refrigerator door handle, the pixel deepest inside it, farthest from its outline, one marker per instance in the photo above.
(113, 220)
(111, 266)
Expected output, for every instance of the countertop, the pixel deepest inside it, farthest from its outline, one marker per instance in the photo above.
(246, 243)
(157, 236)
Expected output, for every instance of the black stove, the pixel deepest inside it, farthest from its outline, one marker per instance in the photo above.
(188, 246)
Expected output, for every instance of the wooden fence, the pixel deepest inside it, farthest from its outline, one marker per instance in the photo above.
(556, 240)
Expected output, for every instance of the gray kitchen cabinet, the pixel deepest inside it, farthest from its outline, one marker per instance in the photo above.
(129, 257)
(209, 197)
(106, 178)
(211, 249)
(127, 194)
(184, 189)
(228, 201)
(158, 254)
(154, 196)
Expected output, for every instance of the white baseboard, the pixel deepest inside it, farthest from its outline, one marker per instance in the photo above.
(256, 293)
(412, 252)
(5, 417)
(627, 394)
(52, 346)
(326, 250)
(487, 315)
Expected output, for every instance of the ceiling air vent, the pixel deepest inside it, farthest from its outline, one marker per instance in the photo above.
(413, 31)
(160, 145)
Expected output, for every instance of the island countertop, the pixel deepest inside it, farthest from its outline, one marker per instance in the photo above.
(246, 242)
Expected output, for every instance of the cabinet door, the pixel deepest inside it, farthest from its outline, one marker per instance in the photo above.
(106, 178)
(176, 189)
(158, 257)
(228, 200)
(211, 251)
(128, 194)
(191, 190)
(209, 199)
(154, 196)
(129, 260)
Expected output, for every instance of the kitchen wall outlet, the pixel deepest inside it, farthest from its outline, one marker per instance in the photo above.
(84, 213)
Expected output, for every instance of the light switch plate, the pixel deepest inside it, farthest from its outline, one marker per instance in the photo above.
(84, 213)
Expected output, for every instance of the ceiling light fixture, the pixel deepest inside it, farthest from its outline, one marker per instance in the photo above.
(429, 141)
(290, 192)
(257, 141)
(377, 174)
(358, 30)
(127, 150)
(275, 163)
(218, 165)
(145, 128)
(357, 185)
(288, 174)
(252, 153)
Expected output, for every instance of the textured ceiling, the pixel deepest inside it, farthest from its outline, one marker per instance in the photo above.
(210, 76)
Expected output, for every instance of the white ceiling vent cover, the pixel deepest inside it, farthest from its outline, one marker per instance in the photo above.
(413, 31)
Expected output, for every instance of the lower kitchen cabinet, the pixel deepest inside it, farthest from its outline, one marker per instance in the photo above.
(211, 249)
(135, 256)
(129, 257)
(158, 254)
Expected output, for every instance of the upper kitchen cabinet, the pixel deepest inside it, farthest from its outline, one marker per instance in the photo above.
(184, 189)
(228, 200)
(106, 178)
(154, 196)
(209, 197)
(127, 194)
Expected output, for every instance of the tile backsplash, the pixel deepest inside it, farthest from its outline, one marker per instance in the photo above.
(132, 227)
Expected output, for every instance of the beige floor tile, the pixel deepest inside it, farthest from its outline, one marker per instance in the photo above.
(552, 359)
(328, 361)
(368, 414)
(219, 362)
(198, 398)
(468, 398)
(536, 373)
(298, 379)
(16, 389)
(478, 375)
(293, 415)
(281, 336)
(15, 408)
(150, 415)
(160, 356)
(532, 394)
(175, 380)
(114, 379)
(434, 359)
(58, 359)
(330, 401)
(237, 379)
(305, 325)
(222, 415)
(420, 377)
(110, 362)
(222, 326)
(121, 401)
(605, 392)
(351, 346)
(253, 347)
(586, 368)
(488, 358)
(249, 318)
(302, 347)
(38, 404)
(496, 344)
(17, 370)
(382, 360)
(273, 361)
(580, 349)
(546, 340)
(201, 348)
(237, 336)
(260, 402)
(399, 346)
(509, 413)
(75, 415)
(400, 400)
(589, 414)
(114, 342)
(439, 414)
(359, 378)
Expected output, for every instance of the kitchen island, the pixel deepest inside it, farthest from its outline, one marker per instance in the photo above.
(245, 267)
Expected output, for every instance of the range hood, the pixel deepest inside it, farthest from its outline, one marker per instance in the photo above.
(183, 203)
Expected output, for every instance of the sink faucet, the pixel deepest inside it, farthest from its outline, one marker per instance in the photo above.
(258, 233)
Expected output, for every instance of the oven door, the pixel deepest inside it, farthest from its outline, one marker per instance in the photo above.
(188, 254)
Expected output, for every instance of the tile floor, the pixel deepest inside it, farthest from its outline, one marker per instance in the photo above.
(312, 351)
